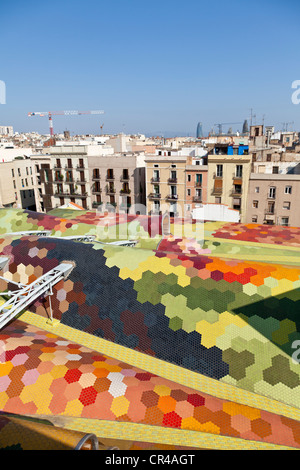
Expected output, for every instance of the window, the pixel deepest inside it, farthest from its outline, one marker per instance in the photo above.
(288, 190)
(22, 183)
(173, 166)
(197, 162)
(12, 173)
(155, 166)
(27, 171)
(188, 192)
(286, 205)
(199, 179)
(275, 170)
(257, 189)
(218, 200)
(236, 203)
(19, 172)
(189, 178)
(239, 171)
(14, 183)
(30, 170)
(269, 157)
(156, 175)
(255, 204)
(220, 171)
(285, 221)
(254, 219)
(271, 207)
(26, 182)
(272, 192)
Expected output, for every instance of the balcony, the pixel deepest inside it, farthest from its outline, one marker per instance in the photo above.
(110, 178)
(154, 196)
(125, 191)
(124, 178)
(70, 194)
(69, 180)
(96, 204)
(110, 190)
(236, 192)
(198, 184)
(96, 191)
(218, 175)
(217, 191)
(197, 199)
(69, 167)
(172, 181)
(80, 181)
(155, 180)
(80, 167)
(58, 179)
(96, 178)
(172, 197)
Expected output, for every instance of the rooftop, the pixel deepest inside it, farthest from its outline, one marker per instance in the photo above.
(184, 340)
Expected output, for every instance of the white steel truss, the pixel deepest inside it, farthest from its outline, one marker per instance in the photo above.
(28, 233)
(27, 294)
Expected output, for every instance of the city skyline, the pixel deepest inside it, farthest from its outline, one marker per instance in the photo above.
(154, 69)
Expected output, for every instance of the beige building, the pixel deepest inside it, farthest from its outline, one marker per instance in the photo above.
(91, 176)
(228, 177)
(273, 199)
(19, 185)
(175, 180)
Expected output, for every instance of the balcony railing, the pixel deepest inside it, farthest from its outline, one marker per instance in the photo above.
(198, 184)
(154, 196)
(110, 178)
(155, 180)
(96, 191)
(80, 181)
(197, 199)
(110, 190)
(172, 180)
(70, 194)
(124, 178)
(125, 191)
(236, 192)
(97, 204)
(217, 191)
(172, 197)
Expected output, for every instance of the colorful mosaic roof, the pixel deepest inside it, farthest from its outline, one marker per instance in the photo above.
(181, 341)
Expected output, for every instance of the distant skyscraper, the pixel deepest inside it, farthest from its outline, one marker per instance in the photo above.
(245, 127)
(199, 134)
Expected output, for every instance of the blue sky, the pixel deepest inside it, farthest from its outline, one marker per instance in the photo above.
(154, 67)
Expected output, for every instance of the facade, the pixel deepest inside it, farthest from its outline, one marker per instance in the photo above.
(91, 176)
(273, 199)
(229, 168)
(19, 185)
(176, 180)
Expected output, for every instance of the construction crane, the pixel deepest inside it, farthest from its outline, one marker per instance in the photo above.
(61, 113)
(225, 124)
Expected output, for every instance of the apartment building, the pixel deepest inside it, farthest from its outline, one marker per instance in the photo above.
(229, 168)
(273, 199)
(19, 186)
(176, 180)
(91, 176)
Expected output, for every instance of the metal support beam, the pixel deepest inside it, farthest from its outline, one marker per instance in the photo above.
(27, 294)
(28, 233)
